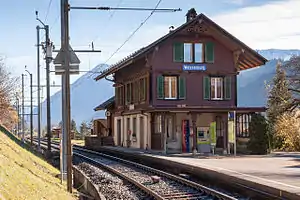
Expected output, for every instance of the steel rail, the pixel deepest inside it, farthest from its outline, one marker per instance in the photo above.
(178, 179)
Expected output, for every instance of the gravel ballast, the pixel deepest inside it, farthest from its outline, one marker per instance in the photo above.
(111, 186)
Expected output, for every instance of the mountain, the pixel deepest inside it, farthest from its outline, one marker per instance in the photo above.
(86, 93)
(251, 83)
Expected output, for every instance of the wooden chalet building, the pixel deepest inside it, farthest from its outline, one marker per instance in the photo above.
(179, 85)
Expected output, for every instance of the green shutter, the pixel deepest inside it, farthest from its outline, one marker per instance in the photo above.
(227, 85)
(209, 52)
(206, 87)
(178, 52)
(160, 87)
(182, 88)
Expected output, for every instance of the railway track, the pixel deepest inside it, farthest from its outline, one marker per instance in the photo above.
(156, 183)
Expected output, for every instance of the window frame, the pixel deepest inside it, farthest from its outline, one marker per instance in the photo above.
(172, 136)
(215, 87)
(203, 52)
(170, 87)
(193, 44)
(158, 123)
(134, 127)
(192, 52)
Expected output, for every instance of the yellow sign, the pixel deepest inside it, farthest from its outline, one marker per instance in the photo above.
(212, 133)
(231, 132)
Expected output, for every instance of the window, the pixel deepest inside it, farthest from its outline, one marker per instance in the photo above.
(217, 88)
(158, 124)
(171, 134)
(134, 127)
(129, 93)
(193, 52)
(216, 85)
(198, 54)
(135, 91)
(242, 125)
(188, 52)
(120, 95)
(171, 87)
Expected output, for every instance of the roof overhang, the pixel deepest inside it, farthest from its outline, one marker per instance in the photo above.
(105, 104)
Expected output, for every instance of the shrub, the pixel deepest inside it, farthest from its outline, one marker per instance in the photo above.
(258, 143)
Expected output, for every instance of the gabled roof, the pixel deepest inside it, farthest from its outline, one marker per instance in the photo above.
(128, 60)
(105, 104)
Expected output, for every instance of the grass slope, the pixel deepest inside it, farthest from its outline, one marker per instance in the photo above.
(26, 176)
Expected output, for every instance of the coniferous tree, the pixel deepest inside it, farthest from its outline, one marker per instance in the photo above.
(73, 126)
(278, 100)
(258, 127)
(84, 130)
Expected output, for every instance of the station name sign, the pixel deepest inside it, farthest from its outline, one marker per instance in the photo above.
(193, 67)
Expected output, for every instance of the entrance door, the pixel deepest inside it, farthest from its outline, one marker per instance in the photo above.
(142, 132)
(119, 132)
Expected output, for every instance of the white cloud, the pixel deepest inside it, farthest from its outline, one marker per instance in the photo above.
(273, 25)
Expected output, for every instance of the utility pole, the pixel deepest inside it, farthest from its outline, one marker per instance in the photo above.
(48, 58)
(38, 90)
(66, 86)
(31, 107)
(63, 94)
(23, 122)
(67, 63)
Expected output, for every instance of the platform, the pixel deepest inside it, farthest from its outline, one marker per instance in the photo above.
(276, 173)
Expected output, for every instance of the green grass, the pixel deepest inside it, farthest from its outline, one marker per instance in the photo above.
(26, 176)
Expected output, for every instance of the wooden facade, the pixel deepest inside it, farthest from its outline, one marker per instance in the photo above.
(187, 78)
(100, 127)
(105, 127)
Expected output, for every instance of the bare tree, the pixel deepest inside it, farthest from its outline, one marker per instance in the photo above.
(8, 85)
(293, 74)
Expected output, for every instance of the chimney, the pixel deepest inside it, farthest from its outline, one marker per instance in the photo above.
(191, 14)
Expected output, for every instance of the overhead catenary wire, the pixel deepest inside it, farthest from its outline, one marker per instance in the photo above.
(48, 9)
(132, 34)
(109, 18)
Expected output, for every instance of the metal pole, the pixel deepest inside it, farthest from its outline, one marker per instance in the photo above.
(23, 122)
(234, 131)
(31, 111)
(38, 82)
(48, 92)
(18, 111)
(66, 123)
(63, 128)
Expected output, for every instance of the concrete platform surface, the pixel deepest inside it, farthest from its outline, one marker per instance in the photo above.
(276, 170)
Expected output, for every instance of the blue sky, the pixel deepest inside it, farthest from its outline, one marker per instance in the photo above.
(261, 24)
